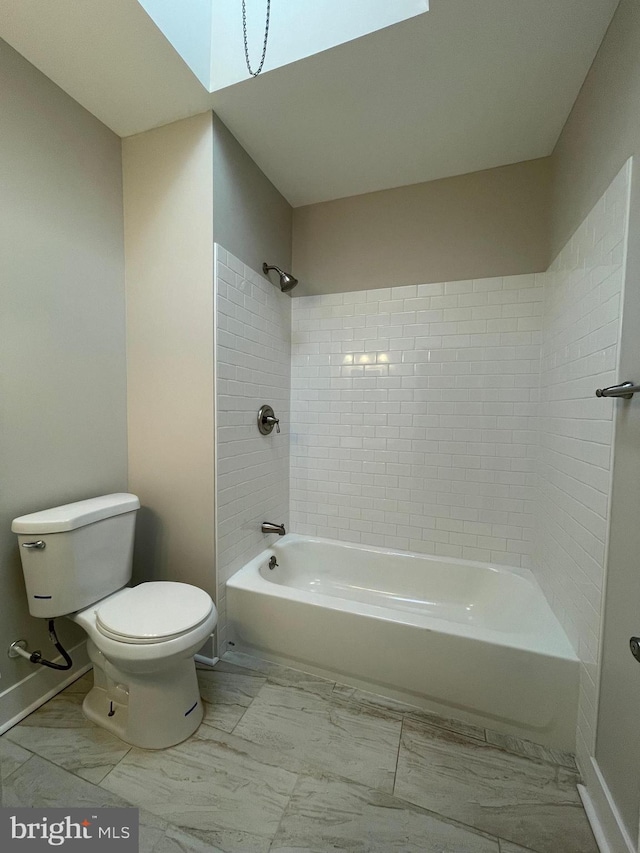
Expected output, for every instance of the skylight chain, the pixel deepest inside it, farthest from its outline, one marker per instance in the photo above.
(266, 37)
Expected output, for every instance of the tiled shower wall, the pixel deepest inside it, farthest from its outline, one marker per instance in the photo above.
(253, 355)
(414, 417)
(581, 330)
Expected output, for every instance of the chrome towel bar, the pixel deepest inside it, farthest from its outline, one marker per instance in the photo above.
(625, 390)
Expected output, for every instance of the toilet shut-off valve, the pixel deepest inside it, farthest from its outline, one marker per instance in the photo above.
(19, 649)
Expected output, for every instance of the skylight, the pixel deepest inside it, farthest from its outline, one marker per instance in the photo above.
(208, 33)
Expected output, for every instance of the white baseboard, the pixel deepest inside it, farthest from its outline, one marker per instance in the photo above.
(21, 699)
(603, 815)
(594, 822)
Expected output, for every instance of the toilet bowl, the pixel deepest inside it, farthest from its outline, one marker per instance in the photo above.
(77, 562)
(141, 642)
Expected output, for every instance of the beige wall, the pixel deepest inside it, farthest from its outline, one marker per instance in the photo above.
(169, 282)
(62, 324)
(480, 225)
(603, 130)
(183, 184)
(250, 217)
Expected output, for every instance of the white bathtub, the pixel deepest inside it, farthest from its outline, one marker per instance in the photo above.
(475, 641)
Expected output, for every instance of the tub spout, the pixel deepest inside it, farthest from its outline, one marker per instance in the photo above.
(270, 527)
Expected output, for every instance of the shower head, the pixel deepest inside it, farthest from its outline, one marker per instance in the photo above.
(287, 281)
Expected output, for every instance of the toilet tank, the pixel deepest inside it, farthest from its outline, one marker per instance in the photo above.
(76, 554)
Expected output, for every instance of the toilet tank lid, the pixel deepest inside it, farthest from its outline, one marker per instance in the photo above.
(70, 516)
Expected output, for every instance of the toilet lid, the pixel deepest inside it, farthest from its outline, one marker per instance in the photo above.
(154, 611)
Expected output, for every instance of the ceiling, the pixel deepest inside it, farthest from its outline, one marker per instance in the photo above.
(470, 85)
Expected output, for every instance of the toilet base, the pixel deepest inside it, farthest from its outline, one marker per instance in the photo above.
(152, 710)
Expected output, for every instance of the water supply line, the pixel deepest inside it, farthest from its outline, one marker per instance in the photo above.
(19, 649)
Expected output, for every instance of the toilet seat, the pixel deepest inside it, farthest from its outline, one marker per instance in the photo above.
(153, 612)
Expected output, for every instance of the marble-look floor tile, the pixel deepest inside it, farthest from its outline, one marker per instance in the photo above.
(532, 750)
(327, 814)
(59, 732)
(224, 665)
(508, 847)
(214, 792)
(264, 754)
(152, 831)
(460, 727)
(525, 802)
(393, 706)
(12, 756)
(325, 734)
(283, 675)
(369, 700)
(343, 691)
(233, 792)
(40, 784)
(177, 841)
(227, 694)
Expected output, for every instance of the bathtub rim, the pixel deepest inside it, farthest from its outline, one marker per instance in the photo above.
(500, 568)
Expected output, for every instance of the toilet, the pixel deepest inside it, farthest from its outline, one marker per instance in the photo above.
(77, 562)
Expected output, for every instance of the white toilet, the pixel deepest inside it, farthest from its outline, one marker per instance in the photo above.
(77, 561)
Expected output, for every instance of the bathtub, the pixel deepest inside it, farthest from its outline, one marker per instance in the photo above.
(476, 641)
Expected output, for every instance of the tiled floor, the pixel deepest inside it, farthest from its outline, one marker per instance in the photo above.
(285, 762)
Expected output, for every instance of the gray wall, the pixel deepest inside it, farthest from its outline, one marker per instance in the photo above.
(62, 321)
(250, 217)
(603, 130)
(480, 225)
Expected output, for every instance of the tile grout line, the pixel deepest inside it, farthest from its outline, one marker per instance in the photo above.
(238, 721)
(99, 784)
(395, 772)
(20, 766)
(284, 811)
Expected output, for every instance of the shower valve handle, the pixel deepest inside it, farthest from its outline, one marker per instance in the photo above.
(270, 420)
(267, 420)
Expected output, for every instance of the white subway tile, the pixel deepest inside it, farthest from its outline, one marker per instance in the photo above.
(423, 406)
